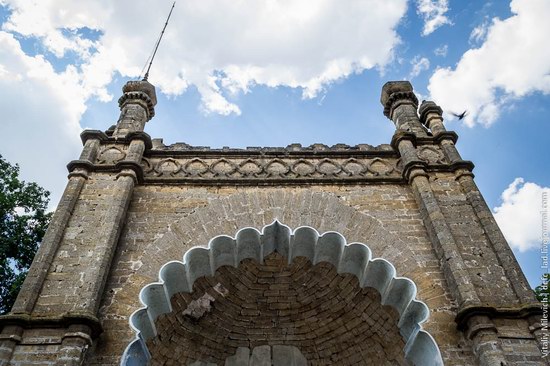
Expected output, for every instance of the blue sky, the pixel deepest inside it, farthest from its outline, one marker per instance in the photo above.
(243, 73)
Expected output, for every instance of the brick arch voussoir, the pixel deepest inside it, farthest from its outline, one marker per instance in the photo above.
(321, 210)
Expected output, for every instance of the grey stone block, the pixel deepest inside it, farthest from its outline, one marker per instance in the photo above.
(261, 356)
(240, 358)
(288, 356)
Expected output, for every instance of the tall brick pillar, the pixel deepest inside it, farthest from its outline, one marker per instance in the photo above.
(484, 278)
(56, 311)
(398, 100)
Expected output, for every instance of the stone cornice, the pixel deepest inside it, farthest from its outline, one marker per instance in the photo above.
(426, 108)
(139, 135)
(445, 135)
(139, 96)
(84, 165)
(463, 164)
(395, 93)
(181, 163)
(159, 149)
(414, 169)
(64, 321)
(108, 168)
(520, 312)
(399, 136)
(417, 141)
(107, 139)
(93, 135)
(399, 98)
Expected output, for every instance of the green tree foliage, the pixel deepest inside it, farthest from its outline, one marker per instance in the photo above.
(23, 223)
(542, 292)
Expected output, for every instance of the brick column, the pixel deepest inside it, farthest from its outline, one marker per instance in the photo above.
(502, 249)
(396, 97)
(137, 107)
(50, 243)
(400, 105)
(9, 338)
(74, 345)
(431, 117)
(486, 344)
(82, 263)
(24, 304)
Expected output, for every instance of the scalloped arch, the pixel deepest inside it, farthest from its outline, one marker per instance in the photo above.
(305, 241)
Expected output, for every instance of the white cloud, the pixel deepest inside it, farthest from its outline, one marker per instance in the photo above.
(479, 33)
(519, 216)
(441, 51)
(511, 63)
(41, 113)
(419, 64)
(433, 14)
(47, 19)
(220, 46)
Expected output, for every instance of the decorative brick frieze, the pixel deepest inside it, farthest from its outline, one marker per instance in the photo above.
(339, 164)
(271, 169)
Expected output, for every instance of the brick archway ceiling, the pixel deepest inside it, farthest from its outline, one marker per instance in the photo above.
(326, 315)
(201, 265)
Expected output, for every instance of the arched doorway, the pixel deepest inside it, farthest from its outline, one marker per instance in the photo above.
(278, 287)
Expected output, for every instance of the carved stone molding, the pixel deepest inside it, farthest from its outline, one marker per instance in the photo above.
(432, 154)
(270, 168)
(294, 164)
(29, 321)
(111, 154)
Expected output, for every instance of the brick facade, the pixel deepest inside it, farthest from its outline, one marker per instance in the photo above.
(132, 204)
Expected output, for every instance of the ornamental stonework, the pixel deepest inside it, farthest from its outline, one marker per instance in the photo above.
(270, 168)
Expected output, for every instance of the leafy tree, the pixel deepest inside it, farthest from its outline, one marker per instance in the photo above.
(542, 292)
(23, 222)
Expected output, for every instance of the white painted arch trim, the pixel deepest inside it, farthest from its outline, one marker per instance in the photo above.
(354, 258)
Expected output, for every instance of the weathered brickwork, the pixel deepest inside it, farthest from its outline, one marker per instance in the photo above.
(326, 315)
(71, 280)
(39, 347)
(132, 205)
(480, 259)
(153, 236)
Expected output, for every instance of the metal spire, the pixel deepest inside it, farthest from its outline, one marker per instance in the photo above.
(157, 45)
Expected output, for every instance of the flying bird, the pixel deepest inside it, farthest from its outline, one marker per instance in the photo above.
(461, 115)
